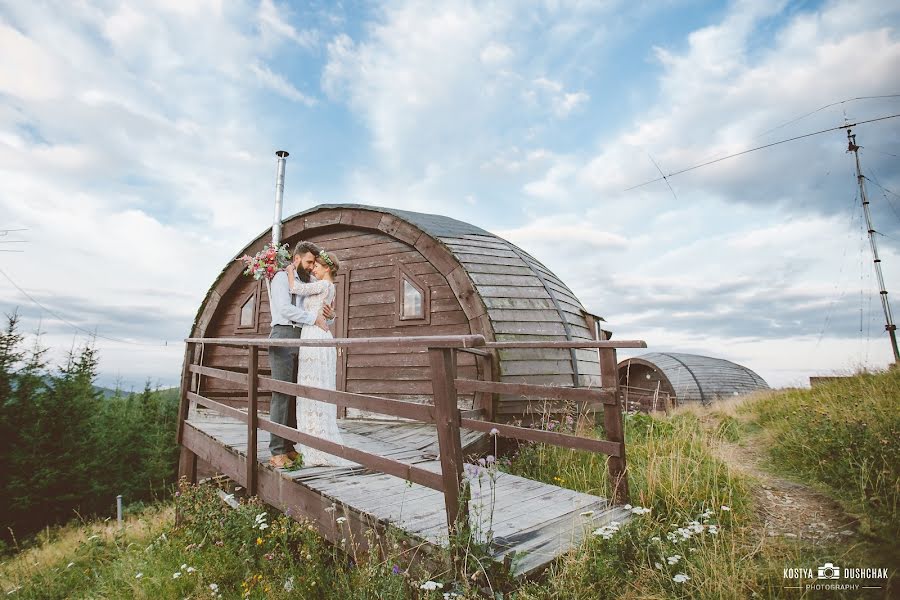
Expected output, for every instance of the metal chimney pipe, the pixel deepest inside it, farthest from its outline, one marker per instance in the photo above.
(279, 197)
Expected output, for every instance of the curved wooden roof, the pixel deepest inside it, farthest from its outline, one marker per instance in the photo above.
(505, 292)
(699, 378)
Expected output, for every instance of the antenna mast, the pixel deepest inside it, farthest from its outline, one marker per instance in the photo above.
(861, 180)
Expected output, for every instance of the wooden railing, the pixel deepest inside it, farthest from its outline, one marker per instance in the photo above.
(444, 413)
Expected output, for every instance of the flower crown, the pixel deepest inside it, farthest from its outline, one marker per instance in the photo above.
(326, 259)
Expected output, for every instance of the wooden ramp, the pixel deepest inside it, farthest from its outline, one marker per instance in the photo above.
(532, 522)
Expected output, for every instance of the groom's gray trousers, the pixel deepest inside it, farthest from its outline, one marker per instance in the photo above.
(283, 408)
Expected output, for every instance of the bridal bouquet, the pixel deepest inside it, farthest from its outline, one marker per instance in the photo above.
(267, 261)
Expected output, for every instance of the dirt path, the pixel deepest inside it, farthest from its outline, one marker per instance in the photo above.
(786, 508)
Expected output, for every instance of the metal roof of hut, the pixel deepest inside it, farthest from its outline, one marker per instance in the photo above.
(689, 377)
(473, 282)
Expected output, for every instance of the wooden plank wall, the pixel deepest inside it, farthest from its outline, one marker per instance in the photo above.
(520, 308)
(369, 258)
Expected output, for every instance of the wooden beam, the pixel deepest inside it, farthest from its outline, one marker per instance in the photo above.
(612, 423)
(443, 369)
(252, 418)
(371, 461)
(547, 437)
(224, 409)
(377, 343)
(385, 406)
(184, 404)
(569, 344)
(187, 465)
(547, 392)
(232, 376)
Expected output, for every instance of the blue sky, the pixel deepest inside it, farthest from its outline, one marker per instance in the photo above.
(137, 142)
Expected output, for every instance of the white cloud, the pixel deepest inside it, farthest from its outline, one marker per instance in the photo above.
(274, 26)
(33, 75)
(280, 85)
(496, 54)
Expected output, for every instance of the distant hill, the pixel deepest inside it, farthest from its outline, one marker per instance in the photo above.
(110, 393)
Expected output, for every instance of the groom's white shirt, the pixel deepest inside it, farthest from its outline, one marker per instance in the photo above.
(281, 302)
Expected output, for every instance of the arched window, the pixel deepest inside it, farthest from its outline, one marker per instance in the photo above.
(413, 299)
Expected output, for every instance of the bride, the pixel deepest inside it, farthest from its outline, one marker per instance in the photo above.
(317, 366)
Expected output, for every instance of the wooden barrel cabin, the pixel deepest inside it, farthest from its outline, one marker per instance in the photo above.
(653, 380)
(407, 273)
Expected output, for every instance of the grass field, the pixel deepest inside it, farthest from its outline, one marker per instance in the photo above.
(702, 537)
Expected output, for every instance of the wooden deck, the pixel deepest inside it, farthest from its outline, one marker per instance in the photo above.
(532, 522)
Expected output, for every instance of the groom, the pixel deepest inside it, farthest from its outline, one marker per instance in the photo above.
(287, 321)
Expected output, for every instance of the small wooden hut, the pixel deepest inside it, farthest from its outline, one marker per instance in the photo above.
(406, 273)
(651, 381)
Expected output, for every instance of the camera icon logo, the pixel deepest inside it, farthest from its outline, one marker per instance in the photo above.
(829, 571)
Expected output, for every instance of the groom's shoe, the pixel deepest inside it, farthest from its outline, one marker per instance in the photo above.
(281, 461)
(293, 455)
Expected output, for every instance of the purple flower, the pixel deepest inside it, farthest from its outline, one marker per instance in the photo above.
(395, 569)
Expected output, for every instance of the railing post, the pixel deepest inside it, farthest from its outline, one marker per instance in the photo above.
(252, 416)
(187, 460)
(612, 423)
(443, 377)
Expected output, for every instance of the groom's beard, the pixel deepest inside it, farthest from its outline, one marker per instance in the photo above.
(303, 275)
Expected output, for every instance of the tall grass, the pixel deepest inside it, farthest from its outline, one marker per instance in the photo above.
(844, 437)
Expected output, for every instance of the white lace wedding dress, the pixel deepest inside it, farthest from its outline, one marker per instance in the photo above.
(317, 368)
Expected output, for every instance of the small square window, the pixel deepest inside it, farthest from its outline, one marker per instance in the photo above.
(248, 312)
(413, 305)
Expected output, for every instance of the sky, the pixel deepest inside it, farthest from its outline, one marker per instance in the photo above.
(137, 146)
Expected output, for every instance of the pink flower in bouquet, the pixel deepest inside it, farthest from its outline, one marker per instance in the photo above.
(267, 261)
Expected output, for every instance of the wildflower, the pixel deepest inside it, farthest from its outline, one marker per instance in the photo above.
(640, 510)
(269, 556)
(395, 569)
(680, 578)
(139, 575)
(214, 587)
(289, 584)
(184, 566)
(627, 507)
(494, 431)
(714, 530)
(482, 462)
(220, 543)
(655, 538)
(340, 520)
(431, 585)
(330, 508)
(673, 560)
(725, 508)
(490, 459)
(176, 574)
(259, 541)
(607, 531)
(191, 569)
(658, 566)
